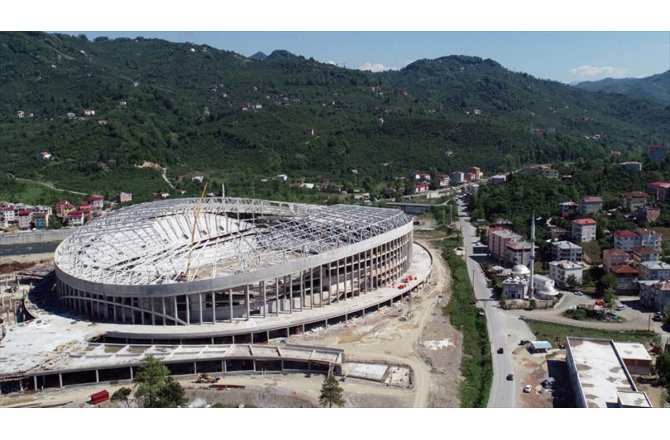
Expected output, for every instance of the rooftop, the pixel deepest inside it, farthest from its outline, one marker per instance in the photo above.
(623, 269)
(592, 199)
(655, 265)
(584, 221)
(600, 371)
(615, 252)
(632, 399)
(625, 234)
(636, 195)
(644, 250)
(630, 350)
(565, 245)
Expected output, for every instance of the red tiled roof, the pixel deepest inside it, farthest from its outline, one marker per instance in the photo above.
(615, 252)
(625, 234)
(75, 214)
(592, 199)
(584, 221)
(641, 250)
(665, 185)
(25, 212)
(95, 197)
(623, 269)
(636, 195)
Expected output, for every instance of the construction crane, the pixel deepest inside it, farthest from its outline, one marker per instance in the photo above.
(196, 214)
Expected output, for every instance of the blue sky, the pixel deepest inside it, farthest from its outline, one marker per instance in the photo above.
(561, 56)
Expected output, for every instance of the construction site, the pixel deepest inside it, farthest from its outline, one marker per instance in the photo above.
(268, 292)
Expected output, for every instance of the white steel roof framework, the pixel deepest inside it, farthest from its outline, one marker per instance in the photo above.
(151, 243)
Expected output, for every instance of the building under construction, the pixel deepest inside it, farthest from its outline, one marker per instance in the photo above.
(190, 262)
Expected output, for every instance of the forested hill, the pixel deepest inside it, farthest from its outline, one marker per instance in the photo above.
(196, 109)
(655, 88)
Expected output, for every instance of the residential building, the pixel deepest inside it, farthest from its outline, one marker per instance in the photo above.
(590, 205)
(443, 180)
(584, 229)
(97, 202)
(421, 175)
(473, 188)
(654, 270)
(599, 376)
(498, 239)
(88, 112)
(498, 178)
(568, 209)
(562, 271)
(655, 294)
(648, 214)
(282, 177)
(44, 155)
(124, 197)
(63, 207)
(641, 254)
(625, 240)
(517, 252)
(649, 238)
(549, 173)
(469, 177)
(631, 167)
(41, 220)
(632, 201)
(25, 218)
(627, 277)
(421, 187)
(566, 250)
(657, 152)
(8, 215)
(660, 190)
(476, 172)
(75, 218)
(614, 257)
(457, 177)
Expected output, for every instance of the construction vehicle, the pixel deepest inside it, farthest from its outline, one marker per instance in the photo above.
(206, 378)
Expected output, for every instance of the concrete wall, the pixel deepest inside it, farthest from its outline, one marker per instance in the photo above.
(47, 236)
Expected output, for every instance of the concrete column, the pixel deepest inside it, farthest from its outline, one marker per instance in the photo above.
(97, 376)
(247, 301)
(276, 296)
(290, 293)
(60, 380)
(195, 368)
(34, 382)
(200, 299)
(213, 308)
(188, 310)
(251, 337)
(142, 312)
(330, 273)
(302, 290)
(131, 373)
(230, 303)
(176, 314)
(115, 313)
(224, 366)
(163, 301)
(311, 288)
(264, 298)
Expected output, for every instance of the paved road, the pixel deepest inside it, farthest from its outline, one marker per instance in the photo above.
(503, 391)
(45, 184)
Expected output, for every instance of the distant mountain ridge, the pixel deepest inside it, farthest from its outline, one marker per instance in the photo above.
(655, 88)
(193, 107)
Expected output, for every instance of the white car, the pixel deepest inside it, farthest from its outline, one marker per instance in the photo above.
(527, 388)
(579, 293)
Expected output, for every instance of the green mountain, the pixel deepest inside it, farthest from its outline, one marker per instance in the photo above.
(655, 88)
(199, 110)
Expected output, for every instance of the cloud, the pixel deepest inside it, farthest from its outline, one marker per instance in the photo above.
(592, 72)
(378, 67)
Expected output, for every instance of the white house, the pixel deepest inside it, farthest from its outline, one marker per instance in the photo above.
(654, 270)
(584, 229)
(561, 271)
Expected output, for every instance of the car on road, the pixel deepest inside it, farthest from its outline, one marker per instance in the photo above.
(620, 307)
(579, 293)
(527, 388)
(500, 350)
(510, 376)
(657, 318)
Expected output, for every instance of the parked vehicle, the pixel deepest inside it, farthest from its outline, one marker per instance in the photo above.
(500, 350)
(510, 376)
(527, 388)
(579, 293)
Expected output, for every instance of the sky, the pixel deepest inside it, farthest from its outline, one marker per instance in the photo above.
(561, 56)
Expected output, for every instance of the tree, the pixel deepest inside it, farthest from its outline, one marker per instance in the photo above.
(608, 281)
(122, 394)
(532, 304)
(503, 301)
(663, 367)
(609, 297)
(571, 281)
(156, 389)
(331, 392)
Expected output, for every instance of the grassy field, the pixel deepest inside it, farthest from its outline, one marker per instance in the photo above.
(545, 331)
(592, 251)
(476, 365)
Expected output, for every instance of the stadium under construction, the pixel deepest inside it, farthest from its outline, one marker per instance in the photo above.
(240, 270)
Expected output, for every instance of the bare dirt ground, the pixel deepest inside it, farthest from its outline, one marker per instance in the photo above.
(531, 370)
(426, 342)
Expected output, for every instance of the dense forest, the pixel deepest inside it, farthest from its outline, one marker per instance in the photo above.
(197, 110)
